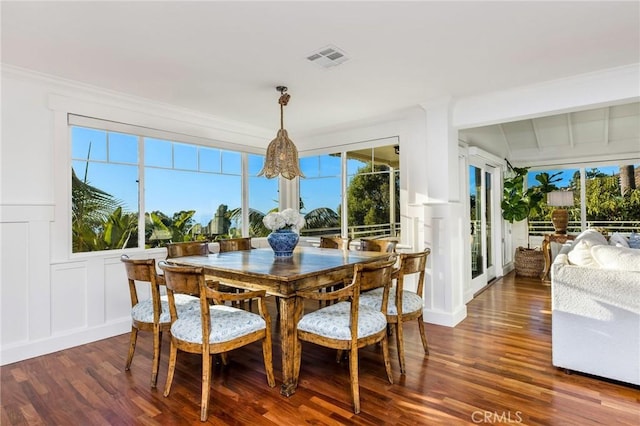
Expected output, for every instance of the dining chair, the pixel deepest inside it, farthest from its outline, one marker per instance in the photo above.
(347, 325)
(403, 305)
(188, 248)
(334, 242)
(194, 248)
(235, 244)
(212, 329)
(151, 314)
(381, 245)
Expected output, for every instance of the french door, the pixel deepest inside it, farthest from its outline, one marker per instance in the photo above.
(485, 223)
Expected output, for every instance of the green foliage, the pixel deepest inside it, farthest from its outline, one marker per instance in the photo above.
(368, 196)
(605, 202)
(97, 219)
(161, 228)
(519, 203)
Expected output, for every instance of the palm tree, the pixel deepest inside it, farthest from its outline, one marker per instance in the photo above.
(90, 210)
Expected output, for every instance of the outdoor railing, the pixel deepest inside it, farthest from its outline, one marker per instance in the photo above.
(357, 232)
(537, 228)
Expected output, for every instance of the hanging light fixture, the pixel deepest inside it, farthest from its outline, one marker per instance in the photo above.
(282, 154)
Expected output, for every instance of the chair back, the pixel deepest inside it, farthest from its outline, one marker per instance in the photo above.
(189, 248)
(381, 245)
(142, 270)
(182, 279)
(235, 244)
(333, 242)
(374, 275)
(413, 263)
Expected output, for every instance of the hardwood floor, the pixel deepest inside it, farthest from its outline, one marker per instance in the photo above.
(494, 367)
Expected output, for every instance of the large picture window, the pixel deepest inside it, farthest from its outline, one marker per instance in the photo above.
(371, 189)
(611, 198)
(186, 191)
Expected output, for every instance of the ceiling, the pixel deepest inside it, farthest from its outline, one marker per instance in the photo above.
(606, 133)
(225, 59)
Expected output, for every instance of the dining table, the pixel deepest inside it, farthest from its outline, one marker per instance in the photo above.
(259, 269)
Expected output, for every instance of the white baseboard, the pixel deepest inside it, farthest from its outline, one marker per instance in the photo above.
(448, 319)
(24, 350)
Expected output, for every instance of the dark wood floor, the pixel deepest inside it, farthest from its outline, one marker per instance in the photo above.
(494, 367)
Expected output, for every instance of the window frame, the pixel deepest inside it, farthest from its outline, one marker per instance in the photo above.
(343, 150)
(141, 132)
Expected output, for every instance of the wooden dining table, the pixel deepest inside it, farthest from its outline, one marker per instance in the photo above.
(258, 269)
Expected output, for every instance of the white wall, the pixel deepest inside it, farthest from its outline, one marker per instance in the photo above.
(51, 299)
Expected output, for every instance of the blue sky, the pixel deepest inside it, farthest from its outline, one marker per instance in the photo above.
(208, 177)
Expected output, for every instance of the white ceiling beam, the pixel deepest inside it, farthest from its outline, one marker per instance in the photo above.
(606, 125)
(570, 127)
(536, 133)
(505, 140)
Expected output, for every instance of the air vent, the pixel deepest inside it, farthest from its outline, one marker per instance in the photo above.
(328, 57)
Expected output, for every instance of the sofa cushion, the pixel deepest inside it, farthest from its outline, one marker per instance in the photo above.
(580, 254)
(592, 236)
(618, 239)
(618, 258)
(634, 240)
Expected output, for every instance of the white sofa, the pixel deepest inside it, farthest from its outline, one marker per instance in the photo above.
(596, 308)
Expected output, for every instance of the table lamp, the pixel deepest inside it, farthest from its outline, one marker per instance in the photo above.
(560, 216)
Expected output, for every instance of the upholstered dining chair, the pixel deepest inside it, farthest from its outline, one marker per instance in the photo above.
(235, 244)
(404, 305)
(188, 248)
(381, 245)
(194, 248)
(151, 314)
(347, 325)
(334, 242)
(212, 329)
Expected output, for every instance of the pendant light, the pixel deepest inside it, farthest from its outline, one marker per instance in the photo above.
(282, 154)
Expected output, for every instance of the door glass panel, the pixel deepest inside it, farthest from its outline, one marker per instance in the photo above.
(475, 208)
(488, 214)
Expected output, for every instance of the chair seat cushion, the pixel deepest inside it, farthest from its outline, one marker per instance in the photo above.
(143, 311)
(411, 302)
(227, 323)
(334, 321)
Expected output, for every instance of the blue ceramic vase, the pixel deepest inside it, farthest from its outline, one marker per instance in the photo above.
(283, 241)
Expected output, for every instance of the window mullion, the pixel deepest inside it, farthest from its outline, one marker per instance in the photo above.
(141, 208)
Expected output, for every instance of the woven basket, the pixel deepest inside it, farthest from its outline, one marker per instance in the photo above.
(529, 262)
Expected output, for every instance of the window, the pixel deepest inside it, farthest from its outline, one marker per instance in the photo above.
(321, 194)
(372, 191)
(189, 191)
(611, 198)
(104, 190)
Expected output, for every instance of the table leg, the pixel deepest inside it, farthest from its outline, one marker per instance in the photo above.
(289, 314)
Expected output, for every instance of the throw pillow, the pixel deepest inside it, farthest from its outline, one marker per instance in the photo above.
(592, 236)
(634, 240)
(580, 254)
(617, 239)
(618, 258)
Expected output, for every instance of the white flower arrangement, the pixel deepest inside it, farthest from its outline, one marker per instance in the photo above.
(286, 219)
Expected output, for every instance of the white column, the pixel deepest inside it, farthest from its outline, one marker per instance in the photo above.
(432, 175)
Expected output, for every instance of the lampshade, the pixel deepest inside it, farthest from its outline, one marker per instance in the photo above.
(560, 198)
(282, 154)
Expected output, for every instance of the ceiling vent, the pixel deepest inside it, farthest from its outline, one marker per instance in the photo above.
(328, 57)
